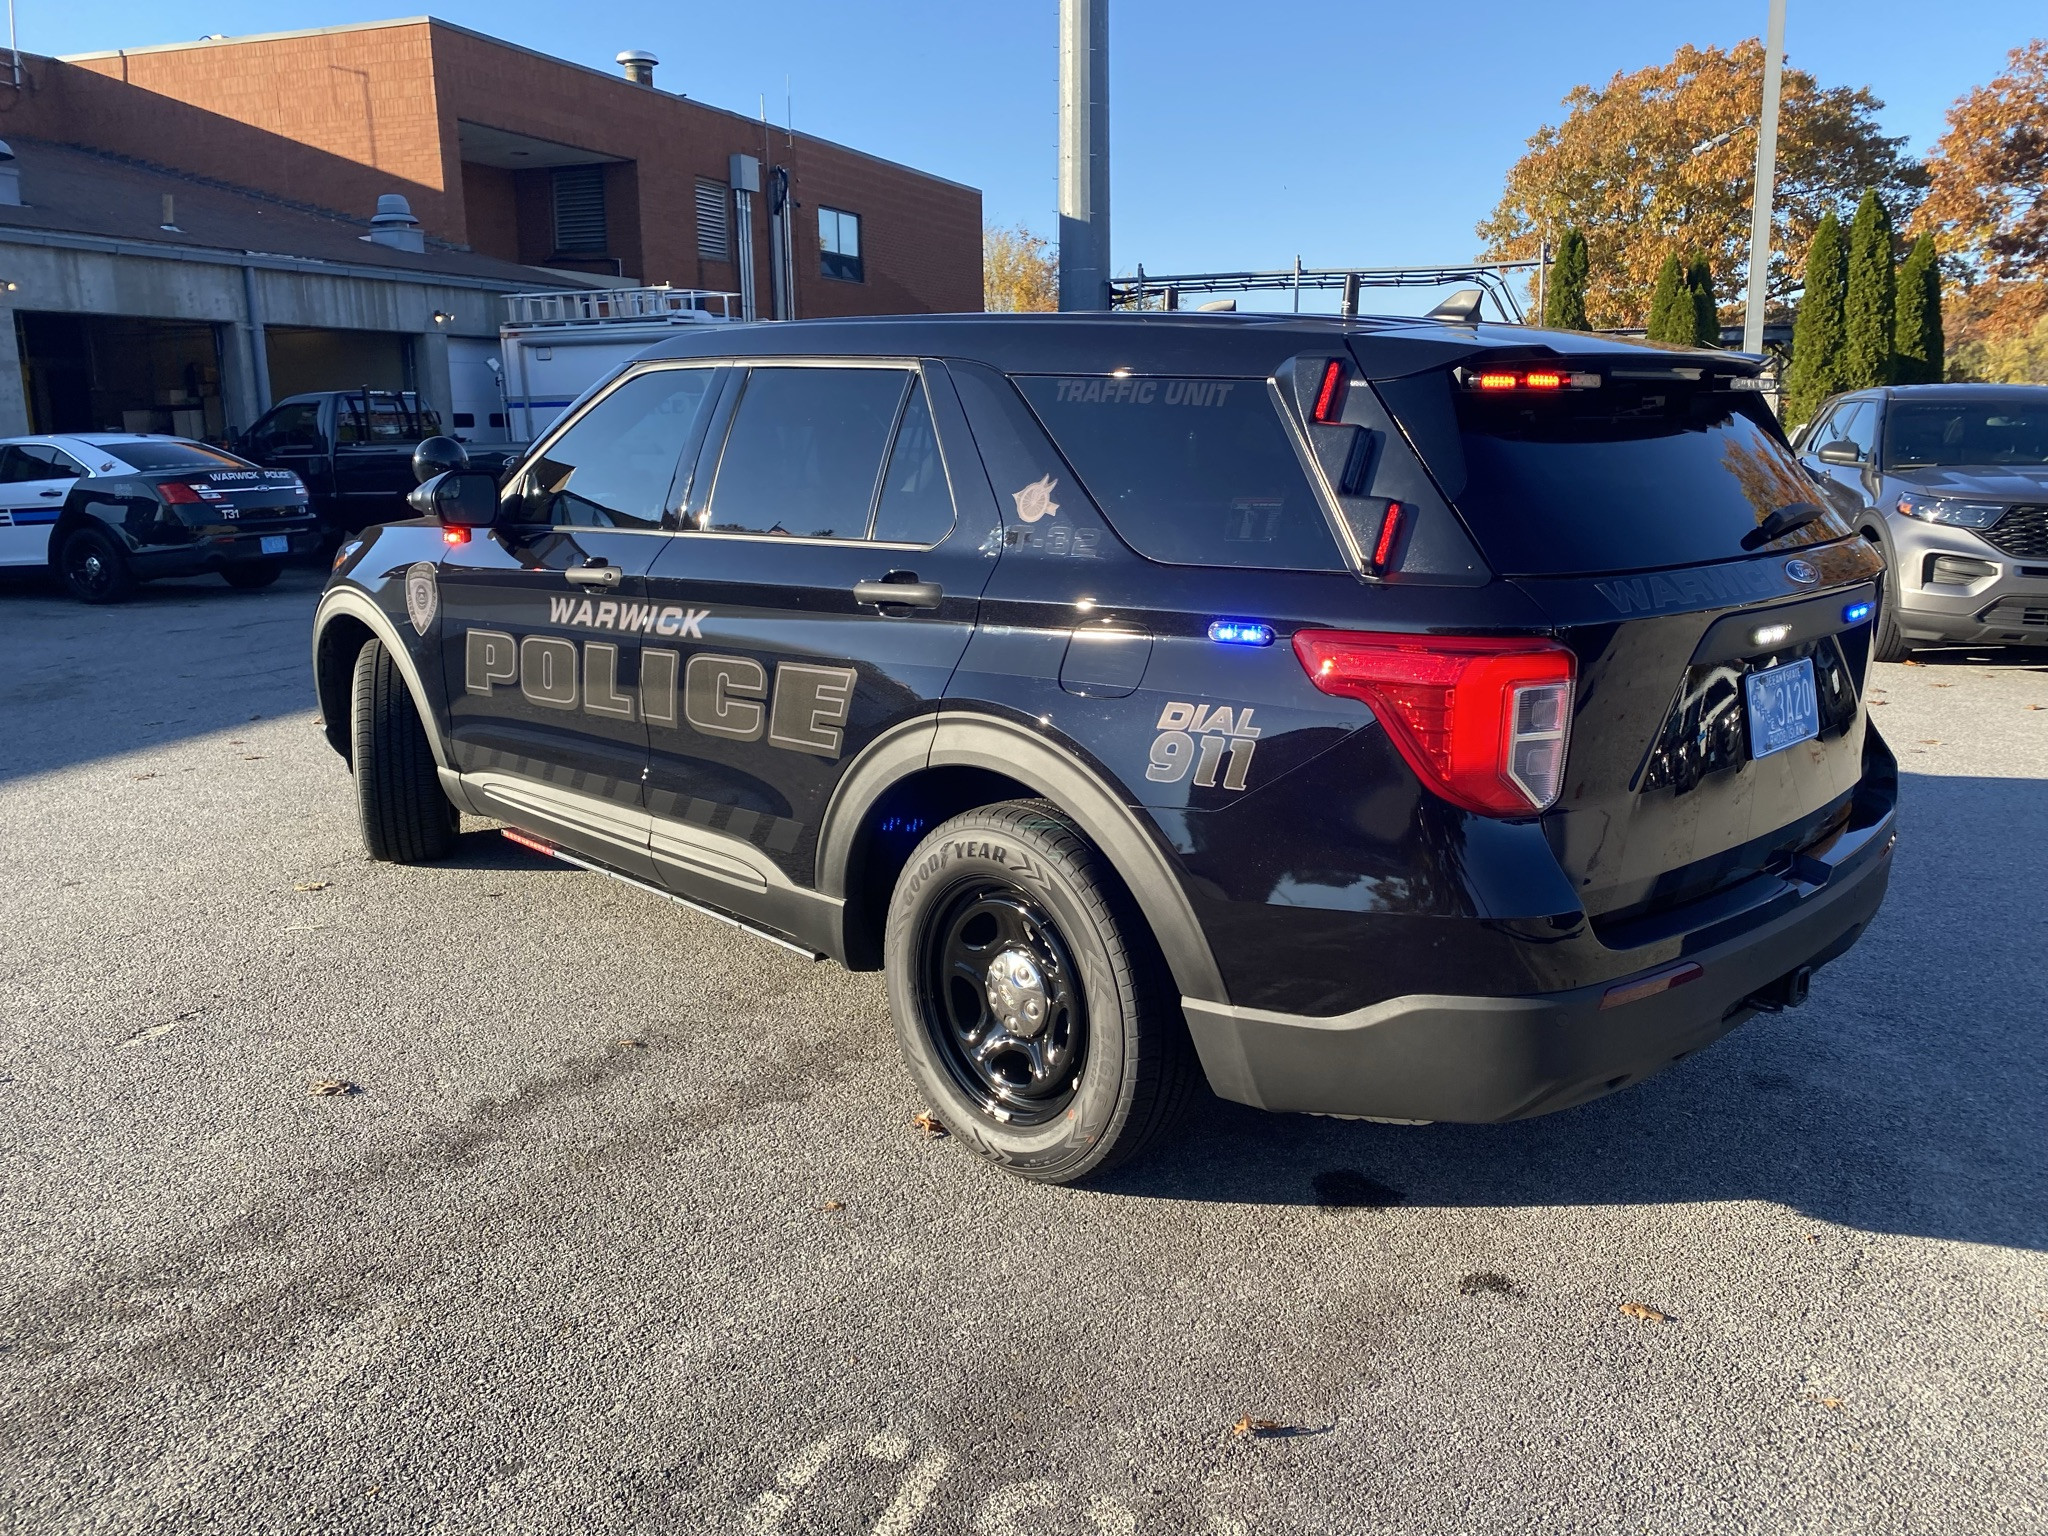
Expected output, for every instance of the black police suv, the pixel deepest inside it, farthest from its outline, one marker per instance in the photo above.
(1387, 718)
(137, 507)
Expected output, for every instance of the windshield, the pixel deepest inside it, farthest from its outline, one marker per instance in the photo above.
(167, 454)
(1922, 434)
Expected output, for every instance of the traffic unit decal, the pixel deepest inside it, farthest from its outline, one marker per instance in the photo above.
(801, 708)
(1200, 737)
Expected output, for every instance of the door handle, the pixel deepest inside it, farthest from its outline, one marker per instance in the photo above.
(49, 493)
(594, 575)
(899, 594)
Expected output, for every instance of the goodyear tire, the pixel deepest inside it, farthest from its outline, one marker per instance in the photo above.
(405, 817)
(252, 575)
(1029, 999)
(94, 567)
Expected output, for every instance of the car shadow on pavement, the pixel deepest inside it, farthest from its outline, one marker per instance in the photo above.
(1910, 1095)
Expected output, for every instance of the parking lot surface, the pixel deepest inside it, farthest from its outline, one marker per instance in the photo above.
(627, 1228)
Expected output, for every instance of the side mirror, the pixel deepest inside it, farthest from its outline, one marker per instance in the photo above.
(1840, 451)
(461, 498)
(437, 456)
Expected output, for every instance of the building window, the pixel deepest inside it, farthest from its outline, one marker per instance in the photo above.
(579, 209)
(712, 230)
(839, 244)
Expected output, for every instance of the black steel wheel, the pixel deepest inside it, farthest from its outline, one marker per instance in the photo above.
(1029, 997)
(94, 567)
(1002, 999)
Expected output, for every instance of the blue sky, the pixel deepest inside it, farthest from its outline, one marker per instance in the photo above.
(1356, 134)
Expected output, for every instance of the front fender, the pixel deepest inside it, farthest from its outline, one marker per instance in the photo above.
(335, 624)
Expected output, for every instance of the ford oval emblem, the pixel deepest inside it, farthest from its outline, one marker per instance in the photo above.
(1804, 572)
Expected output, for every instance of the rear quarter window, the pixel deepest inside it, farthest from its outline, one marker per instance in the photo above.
(1190, 471)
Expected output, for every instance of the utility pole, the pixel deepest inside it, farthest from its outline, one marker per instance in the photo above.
(1766, 182)
(1084, 154)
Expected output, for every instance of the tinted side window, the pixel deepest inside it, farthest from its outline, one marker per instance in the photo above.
(805, 452)
(38, 461)
(916, 505)
(1191, 471)
(615, 464)
(1858, 425)
(1819, 431)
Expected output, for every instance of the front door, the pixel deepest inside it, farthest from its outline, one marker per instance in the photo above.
(836, 589)
(544, 618)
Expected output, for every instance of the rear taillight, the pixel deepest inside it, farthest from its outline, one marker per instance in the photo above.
(1482, 720)
(1330, 394)
(177, 494)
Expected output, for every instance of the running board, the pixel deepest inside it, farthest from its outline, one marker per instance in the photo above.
(541, 845)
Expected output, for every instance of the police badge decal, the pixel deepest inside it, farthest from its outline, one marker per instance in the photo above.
(422, 595)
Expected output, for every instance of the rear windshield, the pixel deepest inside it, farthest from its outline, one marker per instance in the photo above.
(152, 456)
(1633, 475)
(1190, 471)
(1924, 433)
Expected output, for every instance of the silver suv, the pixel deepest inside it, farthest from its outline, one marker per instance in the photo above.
(1952, 481)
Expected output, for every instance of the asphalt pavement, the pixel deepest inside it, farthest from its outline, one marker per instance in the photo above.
(624, 1225)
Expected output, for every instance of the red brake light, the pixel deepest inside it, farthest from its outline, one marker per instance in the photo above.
(1527, 378)
(1543, 381)
(1482, 720)
(1330, 393)
(1390, 530)
(177, 494)
(1496, 381)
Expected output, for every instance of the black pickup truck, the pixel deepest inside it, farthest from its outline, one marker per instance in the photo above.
(353, 448)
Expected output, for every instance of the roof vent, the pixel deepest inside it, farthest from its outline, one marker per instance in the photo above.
(10, 177)
(395, 226)
(638, 64)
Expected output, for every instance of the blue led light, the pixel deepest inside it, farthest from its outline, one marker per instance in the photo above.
(1240, 632)
(1856, 613)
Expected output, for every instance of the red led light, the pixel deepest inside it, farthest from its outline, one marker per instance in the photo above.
(1543, 381)
(1330, 394)
(528, 840)
(1390, 530)
(1497, 381)
(454, 535)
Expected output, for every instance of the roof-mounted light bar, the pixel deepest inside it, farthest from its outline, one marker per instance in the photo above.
(1504, 379)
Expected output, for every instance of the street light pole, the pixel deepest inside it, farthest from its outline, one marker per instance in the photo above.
(1766, 182)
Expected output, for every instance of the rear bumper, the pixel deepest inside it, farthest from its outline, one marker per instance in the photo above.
(212, 553)
(1485, 1059)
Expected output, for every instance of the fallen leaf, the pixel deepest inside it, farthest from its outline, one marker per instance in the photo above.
(1251, 1426)
(252, 757)
(1929, 741)
(1941, 685)
(332, 1088)
(1832, 1403)
(927, 1122)
(311, 885)
(1875, 702)
(1813, 1237)
(833, 1205)
(2037, 706)
(634, 1045)
(1911, 663)
(151, 775)
(1642, 1313)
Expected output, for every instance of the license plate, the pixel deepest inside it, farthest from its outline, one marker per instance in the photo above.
(277, 544)
(1784, 708)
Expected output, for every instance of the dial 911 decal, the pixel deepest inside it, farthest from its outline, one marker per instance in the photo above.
(1201, 739)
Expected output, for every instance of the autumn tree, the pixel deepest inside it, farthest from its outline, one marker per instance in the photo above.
(1671, 305)
(1564, 300)
(1817, 333)
(1916, 321)
(1869, 299)
(1664, 159)
(1018, 271)
(1706, 314)
(1988, 212)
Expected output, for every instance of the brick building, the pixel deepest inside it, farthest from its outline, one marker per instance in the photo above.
(193, 224)
(528, 159)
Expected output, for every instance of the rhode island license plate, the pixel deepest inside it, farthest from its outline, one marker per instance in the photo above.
(1784, 710)
(277, 543)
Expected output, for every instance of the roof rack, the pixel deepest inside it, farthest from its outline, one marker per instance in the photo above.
(1491, 277)
(593, 305)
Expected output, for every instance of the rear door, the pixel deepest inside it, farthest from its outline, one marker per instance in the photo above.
(34, 480)
(543, 619)
(830, 589)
